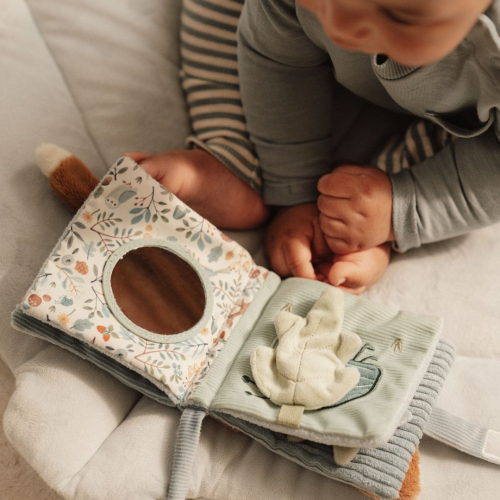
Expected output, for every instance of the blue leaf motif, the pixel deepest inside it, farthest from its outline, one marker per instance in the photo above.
(105, 311)
(136, 219)
(148, 215)
(201, 245)
(179, 213)
(136, 211)
(82, 324)
(215, 254)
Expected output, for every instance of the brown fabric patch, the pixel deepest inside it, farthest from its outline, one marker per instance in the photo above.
(72, 182)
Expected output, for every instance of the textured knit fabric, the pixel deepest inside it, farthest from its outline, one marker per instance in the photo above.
(209, 77)
(291, 77)
(188, 436)
(379, 471)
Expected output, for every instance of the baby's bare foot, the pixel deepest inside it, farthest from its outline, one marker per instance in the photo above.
(203, 182)
(356, 272)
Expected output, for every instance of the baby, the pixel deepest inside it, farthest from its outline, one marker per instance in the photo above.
(327, 83)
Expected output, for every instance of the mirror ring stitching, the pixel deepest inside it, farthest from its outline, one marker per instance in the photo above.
(136, 329)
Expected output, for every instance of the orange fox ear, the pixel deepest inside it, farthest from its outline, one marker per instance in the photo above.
(69, 177)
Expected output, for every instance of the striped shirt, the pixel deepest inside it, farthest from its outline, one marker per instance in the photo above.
(209, 76)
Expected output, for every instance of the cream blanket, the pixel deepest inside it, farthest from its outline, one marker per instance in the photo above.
(100, 78)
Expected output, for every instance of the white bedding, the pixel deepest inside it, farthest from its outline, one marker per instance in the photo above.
(99, 79)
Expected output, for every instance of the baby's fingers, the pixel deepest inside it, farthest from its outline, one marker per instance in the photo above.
(293, 258)
(137, 156)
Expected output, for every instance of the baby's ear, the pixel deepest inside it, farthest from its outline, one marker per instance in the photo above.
(69, 177)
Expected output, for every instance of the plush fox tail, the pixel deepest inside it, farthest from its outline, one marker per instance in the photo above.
(69, 177)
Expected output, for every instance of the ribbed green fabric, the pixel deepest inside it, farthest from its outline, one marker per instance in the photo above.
(402, 342)
(380, 471)
(462, 435)
(188, 435)
(212, 381)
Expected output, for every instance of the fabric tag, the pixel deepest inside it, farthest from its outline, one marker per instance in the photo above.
(491, 447)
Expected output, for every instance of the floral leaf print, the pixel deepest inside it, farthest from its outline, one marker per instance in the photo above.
(137, 219)
(89, 250)
(146, 211)
(215, 254)
(179, 213)
(82, 324)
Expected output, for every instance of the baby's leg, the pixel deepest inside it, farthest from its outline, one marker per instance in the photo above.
(210, 79)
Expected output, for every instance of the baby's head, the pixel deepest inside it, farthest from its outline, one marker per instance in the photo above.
(411, 32)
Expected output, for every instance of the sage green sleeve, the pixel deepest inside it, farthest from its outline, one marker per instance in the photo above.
(452, 193)
(287, 87)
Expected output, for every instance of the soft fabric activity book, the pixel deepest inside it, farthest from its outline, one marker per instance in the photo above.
(145, 288)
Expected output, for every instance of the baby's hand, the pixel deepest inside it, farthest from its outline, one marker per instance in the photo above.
(356, 208)
(294, 242)
(204, 183)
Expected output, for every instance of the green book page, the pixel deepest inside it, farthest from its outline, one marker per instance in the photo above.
(395, 352)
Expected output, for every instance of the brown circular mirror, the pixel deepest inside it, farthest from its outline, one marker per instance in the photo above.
(157, 290)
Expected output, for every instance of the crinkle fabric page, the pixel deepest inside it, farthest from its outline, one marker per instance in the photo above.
(130, 205)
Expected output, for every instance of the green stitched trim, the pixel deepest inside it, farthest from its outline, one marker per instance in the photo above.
(142, 332)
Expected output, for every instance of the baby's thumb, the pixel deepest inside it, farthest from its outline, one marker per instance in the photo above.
(137, 156)
(345, 273)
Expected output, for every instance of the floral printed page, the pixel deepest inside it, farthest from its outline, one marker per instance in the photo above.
(130, 205)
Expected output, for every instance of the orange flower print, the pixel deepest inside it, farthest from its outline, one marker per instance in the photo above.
(254, 273)
(63, 319)
(87, 217)
(149, 227)
(81, 267)
(229, 255)
(105, 334)
(204, 331)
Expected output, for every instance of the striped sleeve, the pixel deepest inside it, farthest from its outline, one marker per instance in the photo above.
(422, 140)
(209, 76)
